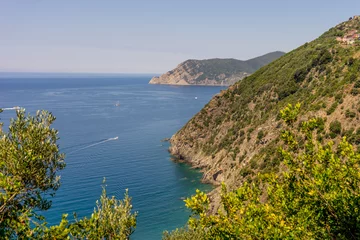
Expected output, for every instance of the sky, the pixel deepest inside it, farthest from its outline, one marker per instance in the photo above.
(154, 36)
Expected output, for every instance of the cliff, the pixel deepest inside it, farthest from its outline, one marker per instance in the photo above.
(213, 71)
(236, 135)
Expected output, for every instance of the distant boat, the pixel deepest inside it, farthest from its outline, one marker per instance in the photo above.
(195, 98)
(117, 104)
(12, 108)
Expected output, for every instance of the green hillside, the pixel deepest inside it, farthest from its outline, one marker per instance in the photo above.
(213, 72)
(213, 68)
(323, 75)
(238, 134)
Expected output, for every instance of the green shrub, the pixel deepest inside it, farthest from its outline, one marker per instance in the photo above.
(244, 172)
(339, 98)
(300, 74)
(185, 234)
(352, 77)
(350, 114)
(354, 91)
(260, 134)
(335, 128)
(332, 108)
(357, 84)
(253, 163)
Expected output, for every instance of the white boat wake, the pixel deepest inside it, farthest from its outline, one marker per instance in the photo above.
(94, 144)
(13, 108)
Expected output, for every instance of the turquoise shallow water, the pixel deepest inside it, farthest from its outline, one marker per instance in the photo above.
(138, 160)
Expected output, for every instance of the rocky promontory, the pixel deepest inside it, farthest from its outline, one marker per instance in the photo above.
(213, 72)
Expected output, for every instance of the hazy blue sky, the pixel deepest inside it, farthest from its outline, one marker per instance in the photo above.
(153, 36)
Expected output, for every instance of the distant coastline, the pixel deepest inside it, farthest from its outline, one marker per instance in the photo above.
(215, 71)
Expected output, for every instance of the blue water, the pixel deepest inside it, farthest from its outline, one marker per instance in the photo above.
(138, 160)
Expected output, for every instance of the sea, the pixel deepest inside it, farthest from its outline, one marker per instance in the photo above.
(112, 126)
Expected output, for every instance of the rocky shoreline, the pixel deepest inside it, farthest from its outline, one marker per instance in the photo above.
(198, 161)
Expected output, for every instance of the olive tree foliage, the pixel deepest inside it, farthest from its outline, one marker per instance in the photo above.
(315, 196)
(185, 234)
(111, 219)
(29, 164)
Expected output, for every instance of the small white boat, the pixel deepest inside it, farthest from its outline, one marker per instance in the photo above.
(12, 108)
(117, 104)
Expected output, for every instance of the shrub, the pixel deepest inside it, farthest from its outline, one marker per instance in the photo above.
(349, 114)
(300, 74)
(350, 61)
(185, 234)
(339, 98)
(244, 172)
(335, 128)
(260, 134)
(352, 77)
(287, 90)
(354, 91)
(332, 108)
(357, 84)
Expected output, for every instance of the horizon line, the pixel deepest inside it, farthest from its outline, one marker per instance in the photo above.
(95, 73)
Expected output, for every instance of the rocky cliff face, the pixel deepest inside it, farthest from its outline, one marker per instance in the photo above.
(186, 74)
(236, 135)
(216, 72)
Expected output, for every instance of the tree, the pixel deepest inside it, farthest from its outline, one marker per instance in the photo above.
(111, 219)
(316, 196)
(29, 162)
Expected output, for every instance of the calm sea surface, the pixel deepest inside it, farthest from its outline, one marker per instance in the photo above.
(138, 160)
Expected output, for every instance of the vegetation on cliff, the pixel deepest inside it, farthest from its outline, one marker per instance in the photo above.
(214, 71)
(316, 195)
(234, 136)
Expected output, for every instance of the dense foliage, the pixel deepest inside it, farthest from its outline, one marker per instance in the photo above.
(29, 165)
(29, 161)
(111, 219)
(316, 196)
